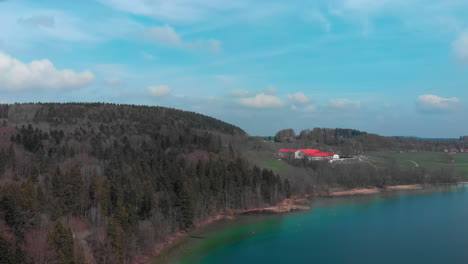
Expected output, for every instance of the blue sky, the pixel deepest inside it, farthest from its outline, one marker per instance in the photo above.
(393, 67)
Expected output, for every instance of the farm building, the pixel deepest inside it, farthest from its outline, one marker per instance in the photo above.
(454, 150)
(310, 154)
(285, 153)
(304, 153)
(315, 154)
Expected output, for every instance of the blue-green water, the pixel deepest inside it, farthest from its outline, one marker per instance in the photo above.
(428, 226)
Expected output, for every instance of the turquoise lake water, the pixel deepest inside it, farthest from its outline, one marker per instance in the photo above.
(425, 226)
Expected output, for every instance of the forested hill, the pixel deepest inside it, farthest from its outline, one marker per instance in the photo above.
(104, 183)
(142, 119)
(353, 142)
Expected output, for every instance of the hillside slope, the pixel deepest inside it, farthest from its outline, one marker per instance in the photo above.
(103, 183)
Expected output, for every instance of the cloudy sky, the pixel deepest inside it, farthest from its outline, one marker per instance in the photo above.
(394, 67)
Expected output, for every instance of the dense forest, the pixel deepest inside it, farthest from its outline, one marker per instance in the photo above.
(103, 183)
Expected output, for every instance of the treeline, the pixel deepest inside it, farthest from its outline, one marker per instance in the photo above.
(355, 142)
(101, 183)
(322, 176)
(144, 116)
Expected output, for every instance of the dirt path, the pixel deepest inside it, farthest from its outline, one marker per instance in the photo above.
(288, 205)
(354, 192)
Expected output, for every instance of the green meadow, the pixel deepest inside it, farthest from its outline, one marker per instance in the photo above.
(424, 159)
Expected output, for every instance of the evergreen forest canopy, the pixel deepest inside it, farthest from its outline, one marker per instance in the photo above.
(105, 183)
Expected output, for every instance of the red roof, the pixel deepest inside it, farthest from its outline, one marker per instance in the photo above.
(314, 153)
(317, 153)
(309, 152)
(287, 150)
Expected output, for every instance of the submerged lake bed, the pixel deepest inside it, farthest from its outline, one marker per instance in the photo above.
(417, 226)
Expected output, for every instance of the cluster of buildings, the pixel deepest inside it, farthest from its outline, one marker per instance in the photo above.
(310, 154)
(455, 150)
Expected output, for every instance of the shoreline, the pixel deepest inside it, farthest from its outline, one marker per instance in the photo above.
(361, 191)
(285, 206)
(172, 239)
(295, 203)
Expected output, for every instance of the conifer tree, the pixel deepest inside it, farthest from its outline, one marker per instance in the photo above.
(61, 239)
(8, 254)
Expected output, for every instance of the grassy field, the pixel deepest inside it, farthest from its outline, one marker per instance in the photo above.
(423, 159)
(265, 159)
(275, 164)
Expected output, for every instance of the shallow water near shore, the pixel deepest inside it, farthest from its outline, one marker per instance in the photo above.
(417, 226)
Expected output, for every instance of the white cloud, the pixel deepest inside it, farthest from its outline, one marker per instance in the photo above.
(24, 26)
(271, 90)
(299, 98)
(16, 75)
(261, 100)
(181, 11)
(361, 11)
(167, 36)
(430, 17)
(366, 6)
(159, 91)
(112, 74)
(209, 14)
(310, 108)
(43, 26)
(211, 45)
(212, 99)
(434, 103)
(43, 21)
(344, 104)
(460, 47)
(148, 56)
(240, 93)
(317, 17)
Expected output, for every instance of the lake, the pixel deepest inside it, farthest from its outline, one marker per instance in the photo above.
(422, 226)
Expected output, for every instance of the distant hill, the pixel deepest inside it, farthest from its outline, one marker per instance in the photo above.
(144, 117)
(352, 142)
(423, 138)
